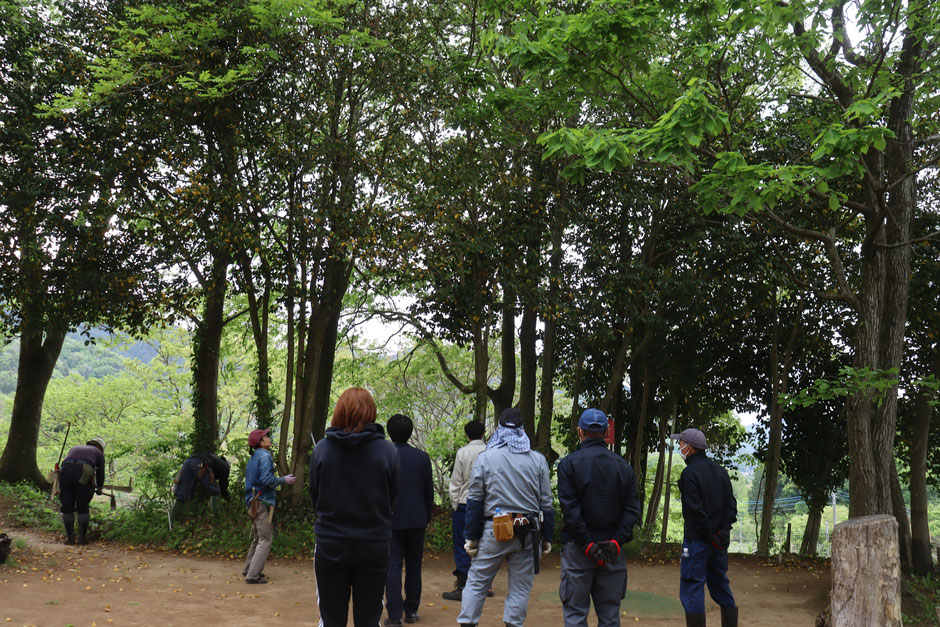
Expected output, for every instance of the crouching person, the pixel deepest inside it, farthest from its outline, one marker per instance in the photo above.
(201, 476)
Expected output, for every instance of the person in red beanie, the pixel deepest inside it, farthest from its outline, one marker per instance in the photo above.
(260, 499)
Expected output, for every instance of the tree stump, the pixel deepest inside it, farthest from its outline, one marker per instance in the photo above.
(866, 573)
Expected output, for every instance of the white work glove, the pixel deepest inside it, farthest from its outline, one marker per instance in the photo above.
(289, 479)
(546, 548)
(472, 547)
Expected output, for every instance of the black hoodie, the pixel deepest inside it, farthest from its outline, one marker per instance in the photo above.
(354, 485)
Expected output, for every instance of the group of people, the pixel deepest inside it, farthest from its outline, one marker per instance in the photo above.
(373, 498)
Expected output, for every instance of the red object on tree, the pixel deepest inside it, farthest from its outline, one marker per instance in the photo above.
(609, 439)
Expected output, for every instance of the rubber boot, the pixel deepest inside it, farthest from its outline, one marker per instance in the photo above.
(729, 617)
(694, 620)
(83, 520)
(68, 520)
(457, 593)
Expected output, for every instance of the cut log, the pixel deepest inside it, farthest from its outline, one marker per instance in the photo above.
(866, 573)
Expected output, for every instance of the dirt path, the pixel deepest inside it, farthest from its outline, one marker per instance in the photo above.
(101, 584)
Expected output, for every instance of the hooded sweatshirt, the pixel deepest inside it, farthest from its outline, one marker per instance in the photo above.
(354, 484)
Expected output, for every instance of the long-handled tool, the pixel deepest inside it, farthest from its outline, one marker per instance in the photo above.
(55, 481)
(113, 500)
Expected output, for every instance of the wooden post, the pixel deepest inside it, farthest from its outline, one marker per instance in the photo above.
(789, 529)
(866, 573)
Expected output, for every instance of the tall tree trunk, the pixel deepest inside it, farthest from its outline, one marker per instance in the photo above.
(811, 533)
(900, 513)
(205, 438)
(258, 315)
(668, 489)
(320, 350)
(657, 493)
(639, 447)
(528, 370)
(575, 395)
(921, 556)
(779, 377)
(503, 394)
(36, 363)
(543, 430)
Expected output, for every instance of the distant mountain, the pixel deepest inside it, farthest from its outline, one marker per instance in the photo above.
(92, 360)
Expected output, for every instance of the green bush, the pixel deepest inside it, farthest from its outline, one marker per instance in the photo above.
(30, 507)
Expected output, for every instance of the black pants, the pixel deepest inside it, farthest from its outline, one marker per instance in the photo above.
(353, 567)
(74, 496)
(407, 547)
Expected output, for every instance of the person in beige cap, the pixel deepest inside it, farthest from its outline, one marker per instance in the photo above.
(709, 509)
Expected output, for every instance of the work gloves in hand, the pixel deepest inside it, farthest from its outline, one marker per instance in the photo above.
(546, 548)
(603, 552)
(289, 479)
(472, 547)
(722, 539)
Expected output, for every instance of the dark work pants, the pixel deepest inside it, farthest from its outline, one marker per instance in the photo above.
(344, 567)
(457, 522)
(74, 496)
(583, 579)
(407, 547)
(703, 564)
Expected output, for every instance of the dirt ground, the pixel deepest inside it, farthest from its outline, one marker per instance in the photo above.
(101, 584)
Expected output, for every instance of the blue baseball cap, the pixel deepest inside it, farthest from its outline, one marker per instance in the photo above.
(593, 420)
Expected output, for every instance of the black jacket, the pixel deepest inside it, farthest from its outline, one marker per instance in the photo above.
(354, 485)
(413, 507)
(597, 492)
(708, 503)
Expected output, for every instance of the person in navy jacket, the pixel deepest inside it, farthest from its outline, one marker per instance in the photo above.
(409, 522)
(709, 510)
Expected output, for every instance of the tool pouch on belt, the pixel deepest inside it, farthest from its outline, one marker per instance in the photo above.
(502, 528)
(88, 472)
(253, 505)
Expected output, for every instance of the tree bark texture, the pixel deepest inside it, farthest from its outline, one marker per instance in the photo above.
(319, 353)
(528, 370)
(866, 573)
(811, 532)
(921, 556)
(206, 361)
(36, 363)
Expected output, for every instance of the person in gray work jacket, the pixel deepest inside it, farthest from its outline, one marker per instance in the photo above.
(82, 475)
(508, 478)
(597, 492)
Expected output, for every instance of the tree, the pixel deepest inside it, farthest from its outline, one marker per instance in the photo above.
(736, 60)
(69, 258)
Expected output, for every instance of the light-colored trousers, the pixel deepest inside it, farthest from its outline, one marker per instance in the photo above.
(483, 569)
(262, 532)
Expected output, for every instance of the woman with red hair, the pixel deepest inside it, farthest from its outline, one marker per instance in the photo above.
(353, 487)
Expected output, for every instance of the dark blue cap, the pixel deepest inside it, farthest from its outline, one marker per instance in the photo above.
(511, 417)
(593, 420)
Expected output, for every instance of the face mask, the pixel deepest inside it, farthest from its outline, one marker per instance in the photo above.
(684, 451)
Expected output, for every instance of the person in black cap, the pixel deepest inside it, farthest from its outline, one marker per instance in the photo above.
(410, 520)
(509, 487)
(709, 509)
(81, 476)
(597, 492)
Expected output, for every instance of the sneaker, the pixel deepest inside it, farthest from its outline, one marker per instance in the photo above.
(412, 618)
(392, 622)
(490, 594)
(453, 595)
(260, 579)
